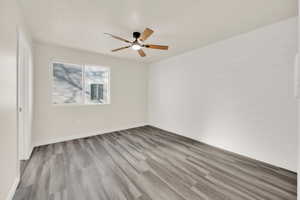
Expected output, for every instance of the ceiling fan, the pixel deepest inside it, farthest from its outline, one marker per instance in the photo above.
(138, 42)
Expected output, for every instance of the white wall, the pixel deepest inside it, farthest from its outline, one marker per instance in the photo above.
(236, 94)
(128, 106)
(8, 114)
(10, 20)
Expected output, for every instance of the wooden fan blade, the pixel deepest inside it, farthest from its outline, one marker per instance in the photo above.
(153, 46)
(118, 38)
(147, 32)
(142, 53)
(118, 49)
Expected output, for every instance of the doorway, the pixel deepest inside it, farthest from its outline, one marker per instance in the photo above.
(24, 101)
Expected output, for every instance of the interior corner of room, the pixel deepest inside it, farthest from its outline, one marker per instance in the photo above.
(228, 98)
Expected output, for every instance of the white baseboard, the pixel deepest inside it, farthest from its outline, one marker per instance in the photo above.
(225, 149)
(13, 189)
(84, 135)
(28, 155)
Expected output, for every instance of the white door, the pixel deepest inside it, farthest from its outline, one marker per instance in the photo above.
(21, 69)
(297, 94)
(24, 97)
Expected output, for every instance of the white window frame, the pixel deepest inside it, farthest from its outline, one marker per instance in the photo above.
(83, 103)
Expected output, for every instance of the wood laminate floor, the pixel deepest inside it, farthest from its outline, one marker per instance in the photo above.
(148, 164)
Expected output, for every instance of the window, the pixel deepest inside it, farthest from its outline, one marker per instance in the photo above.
(80, 84)
(96, 84)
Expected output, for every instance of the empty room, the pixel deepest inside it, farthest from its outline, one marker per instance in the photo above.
(149, 100)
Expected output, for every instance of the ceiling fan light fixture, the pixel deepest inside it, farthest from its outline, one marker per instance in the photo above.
(138, 43)
(136, 47)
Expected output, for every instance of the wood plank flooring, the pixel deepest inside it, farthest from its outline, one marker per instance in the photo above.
(148, 164)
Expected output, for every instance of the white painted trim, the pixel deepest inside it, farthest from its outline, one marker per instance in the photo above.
(297, 77)
(84, 135)
(28, 154)
(13, 189)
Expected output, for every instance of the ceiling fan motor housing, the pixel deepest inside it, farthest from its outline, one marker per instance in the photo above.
(136, 35)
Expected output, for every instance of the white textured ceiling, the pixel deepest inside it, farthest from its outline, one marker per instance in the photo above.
(181, 24)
